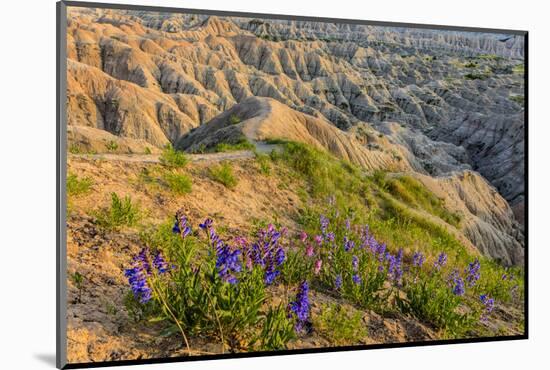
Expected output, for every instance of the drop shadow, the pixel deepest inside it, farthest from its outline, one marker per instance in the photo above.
(46, 358)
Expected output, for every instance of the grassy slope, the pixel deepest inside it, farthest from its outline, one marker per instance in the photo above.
(392, 206)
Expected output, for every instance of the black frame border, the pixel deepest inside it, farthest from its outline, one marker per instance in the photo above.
(61, 169)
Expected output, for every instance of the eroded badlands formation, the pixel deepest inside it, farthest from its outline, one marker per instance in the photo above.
(444, 106)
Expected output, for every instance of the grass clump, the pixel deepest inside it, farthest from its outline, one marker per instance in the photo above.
(178, 183)
(263, 161)
(340, 327)
(171, 157)
(75, 149)
(78, 186)
(122, 212)
(111, 146)
(78, 281)
(223, 173)
(234, 119)
(241, 144)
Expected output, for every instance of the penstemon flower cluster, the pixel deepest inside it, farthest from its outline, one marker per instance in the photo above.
(141, 269)
(228, 262)
(473, 272)
(299, 308)
(351, 263)
(489, 305)
(268, 253)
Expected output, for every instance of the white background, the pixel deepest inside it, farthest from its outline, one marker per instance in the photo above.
(27, 185)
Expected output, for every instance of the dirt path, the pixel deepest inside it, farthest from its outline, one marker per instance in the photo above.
(154, 158)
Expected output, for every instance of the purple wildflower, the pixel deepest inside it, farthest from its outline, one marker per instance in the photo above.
(243, 245)
(355, 263)
(159, 263)
(473, 273)
(140, 270)
(489, 304)
(142, 259)
(300, 307)
(206, 224)
(303, 236)
(394, 265)
(138, 283)
(348, 224)
(348, 244)
(418, 259)
(267, 252)
(181, 225)
(338, 281)
(458, 283)
(356, 279)
(228, 262)
(441, 261)
(324, 224)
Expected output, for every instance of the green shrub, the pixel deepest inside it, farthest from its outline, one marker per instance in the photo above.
(78, 186)
(234, 119)
(78, 281)
(75, 149)
(112, 146)
(430, 299)
(122, 212)
(277, 330)
(194, 299)
(223, 173)
(241, 144)
(147, 150)
(263, 161)
(338, 326)
(178, 183)
(171, 157)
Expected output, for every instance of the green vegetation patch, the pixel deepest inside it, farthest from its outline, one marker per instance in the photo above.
(78, 186)
(171, 157)
(223, 173)
(179, 183)
(241, 144)
(234, 119)
(416, 195)
(339, 326)
(121, 212)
